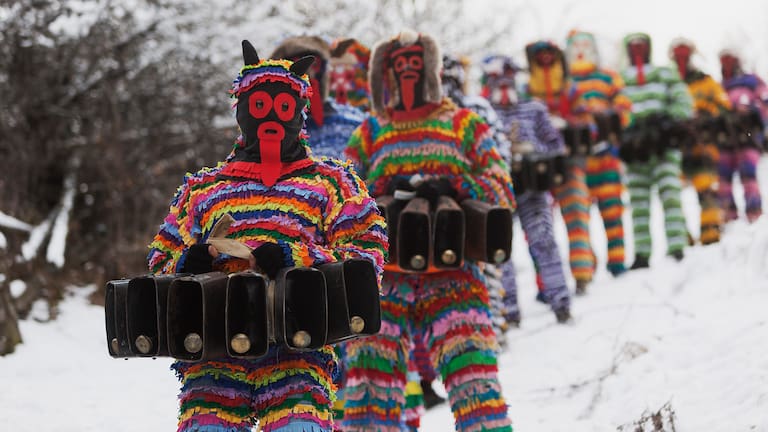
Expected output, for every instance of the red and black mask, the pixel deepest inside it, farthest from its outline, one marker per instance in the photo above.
(407, 63)
(342, 82)
(682, 56)
(545, 57)
(729, 66)
(639, 52)
(270, 116)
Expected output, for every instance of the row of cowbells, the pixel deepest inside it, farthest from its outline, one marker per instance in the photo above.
(240, 315)
(538, 173)
(421, 239)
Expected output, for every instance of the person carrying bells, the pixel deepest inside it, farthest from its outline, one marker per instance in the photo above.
(292, 210)
(415, 130)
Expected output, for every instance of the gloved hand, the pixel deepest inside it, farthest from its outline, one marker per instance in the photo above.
(197, 259)
(269, 259)
(432, 189)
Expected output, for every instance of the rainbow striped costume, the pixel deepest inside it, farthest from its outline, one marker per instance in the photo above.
(710, 99)
(599, 90)
(319, 213)
(449, 308)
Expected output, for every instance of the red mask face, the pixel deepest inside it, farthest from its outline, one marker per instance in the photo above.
(682, 55)
(545, 58)
(342, 82)
(408, 66)
(729, 65)
(638, 51)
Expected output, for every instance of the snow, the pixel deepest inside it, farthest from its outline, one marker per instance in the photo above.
(690, 334)
(17, 287)
(12, 222)
(36, 237)
(57, 245)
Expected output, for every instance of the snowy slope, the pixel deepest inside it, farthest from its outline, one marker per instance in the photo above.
(692, 334)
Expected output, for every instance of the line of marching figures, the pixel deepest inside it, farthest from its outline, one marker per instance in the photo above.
(368, 204)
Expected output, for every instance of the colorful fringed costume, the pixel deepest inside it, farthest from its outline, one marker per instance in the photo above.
(420, 133)
(550, 84)
(598, 91)
(315, 210)
(660, 101)
(527, 130)
(339, 121)
(747, 93)
(700, 158)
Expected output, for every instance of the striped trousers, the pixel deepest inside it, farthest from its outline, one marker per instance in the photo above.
(573, 199)
(701, 171)
(744, 161)
(664, 172)
(536, 221)
(286, 391)
(604, 182)
(450, 310)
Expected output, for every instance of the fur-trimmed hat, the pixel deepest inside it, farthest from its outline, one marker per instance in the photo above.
(382, 78)
(681, 41)
(300, 46)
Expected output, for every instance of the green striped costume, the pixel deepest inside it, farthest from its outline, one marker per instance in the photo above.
(657, 90)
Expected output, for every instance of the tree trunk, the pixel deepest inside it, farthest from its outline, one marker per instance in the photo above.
(9, 322)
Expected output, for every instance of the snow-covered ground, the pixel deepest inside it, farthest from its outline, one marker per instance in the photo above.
(691, 334)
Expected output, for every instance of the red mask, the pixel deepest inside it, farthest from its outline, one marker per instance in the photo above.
(342, 82)
(729, 65)
(639, 54)
(408, 66)
(682, 55)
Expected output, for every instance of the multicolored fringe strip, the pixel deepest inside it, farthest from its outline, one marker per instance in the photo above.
(326, 198)
(286, 391)
(451, 142)
(451, 308)
(665, 173)
(339, 121)
(700, 168)
(573, 199)
(604, 183)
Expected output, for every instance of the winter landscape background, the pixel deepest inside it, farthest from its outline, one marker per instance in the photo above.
(688, 335)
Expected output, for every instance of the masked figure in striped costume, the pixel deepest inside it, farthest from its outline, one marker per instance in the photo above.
(550, 84)
(599, 91)
(701, 156)
(661, 105)
(740, 153)
(414, 130)
(530, 135)
(293, 210)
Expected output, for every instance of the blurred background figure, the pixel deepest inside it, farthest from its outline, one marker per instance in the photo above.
(700, 154)
(532, 139)
(550, 84)
(661, 105)
(748, 95)
(599, 93)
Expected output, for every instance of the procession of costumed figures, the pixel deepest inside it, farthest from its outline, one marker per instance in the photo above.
(353, 247)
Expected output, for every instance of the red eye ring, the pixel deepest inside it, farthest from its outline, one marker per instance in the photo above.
(259, 98)
(285, 106)
(400, 63)
(415, 62)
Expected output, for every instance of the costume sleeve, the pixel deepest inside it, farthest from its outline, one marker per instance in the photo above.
(550, 138)
(680, 103)
(488, 178)
(177, 233)
(353, 226)
(620, 103)
(719, 96)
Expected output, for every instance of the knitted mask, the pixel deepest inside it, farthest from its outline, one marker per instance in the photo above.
(581, 49)
(407, 63)
(681, 54)
(498, 81)
(729, 65)
(271, 99)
